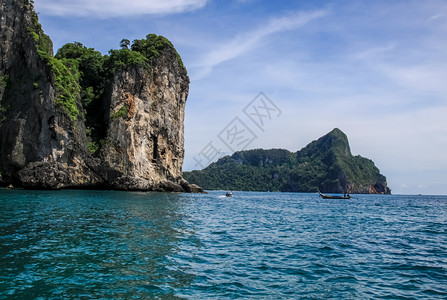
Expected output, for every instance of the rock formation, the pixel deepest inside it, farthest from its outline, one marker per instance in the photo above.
(45, 138)
(325, 165)
(150, 132)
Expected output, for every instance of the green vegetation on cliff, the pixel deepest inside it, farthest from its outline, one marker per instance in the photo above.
(121, 113)
(152, 46)
(82, 75)
(96, 70)
(5, 81)
(3, 112)
(65, 71)
(44, 45)
(325, 165)
(66, 79)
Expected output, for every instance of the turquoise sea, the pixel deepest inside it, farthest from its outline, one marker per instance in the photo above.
(134, 245)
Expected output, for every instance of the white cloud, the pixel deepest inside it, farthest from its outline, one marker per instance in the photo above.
(373, 52)
(246, 41)
(436, 17)
(422, 77)
(116, 8)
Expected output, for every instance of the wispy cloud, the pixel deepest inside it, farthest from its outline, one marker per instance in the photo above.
(437, 16)
(116, 8)
(418, 77)
(246, 41)
(368, 53)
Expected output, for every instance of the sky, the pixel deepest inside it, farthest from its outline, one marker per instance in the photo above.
(279, 74)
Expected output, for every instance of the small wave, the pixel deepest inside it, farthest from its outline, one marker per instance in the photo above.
(434, 292)
(269, 246)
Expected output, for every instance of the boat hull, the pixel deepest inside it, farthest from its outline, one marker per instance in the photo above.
(334, 197)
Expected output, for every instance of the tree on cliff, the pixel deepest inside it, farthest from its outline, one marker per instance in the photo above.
(124, 44)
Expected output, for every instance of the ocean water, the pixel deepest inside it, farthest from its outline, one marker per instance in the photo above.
(131, 245)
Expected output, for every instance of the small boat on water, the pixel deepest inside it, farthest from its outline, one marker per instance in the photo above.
(345, 196)
(229, 194)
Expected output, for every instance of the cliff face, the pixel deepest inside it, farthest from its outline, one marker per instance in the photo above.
(44, 141)
(145, 121)
(36, 135)
(325, 165)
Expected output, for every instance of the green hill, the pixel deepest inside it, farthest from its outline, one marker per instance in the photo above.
(325, 165)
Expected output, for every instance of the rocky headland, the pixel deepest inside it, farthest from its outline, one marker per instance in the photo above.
(325, 165)
(80, 119)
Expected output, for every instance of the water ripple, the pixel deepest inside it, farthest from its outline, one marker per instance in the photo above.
(116, 245)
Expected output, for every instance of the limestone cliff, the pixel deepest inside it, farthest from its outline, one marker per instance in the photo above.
(44, 129)
(149, 131)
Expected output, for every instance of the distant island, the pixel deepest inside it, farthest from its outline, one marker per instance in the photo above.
(325, 165)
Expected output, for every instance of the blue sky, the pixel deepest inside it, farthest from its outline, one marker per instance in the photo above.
(375, 69)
